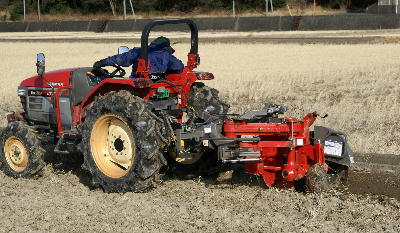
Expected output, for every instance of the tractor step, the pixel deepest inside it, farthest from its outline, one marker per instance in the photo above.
(237, 157)
(240, 160)
(247, 154)
(66, 144)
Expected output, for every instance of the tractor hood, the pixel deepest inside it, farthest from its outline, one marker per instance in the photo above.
(56, 78)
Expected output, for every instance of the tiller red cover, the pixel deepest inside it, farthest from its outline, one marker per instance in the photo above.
(284, 152)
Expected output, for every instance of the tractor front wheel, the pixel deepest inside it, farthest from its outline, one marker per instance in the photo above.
(121, 144)
(21, 153)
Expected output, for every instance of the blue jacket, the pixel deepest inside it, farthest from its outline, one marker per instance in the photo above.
(161, 60)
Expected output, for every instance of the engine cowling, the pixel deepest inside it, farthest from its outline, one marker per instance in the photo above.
(36, 97)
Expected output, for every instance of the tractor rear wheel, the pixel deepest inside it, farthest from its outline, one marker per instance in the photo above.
(121, 144)
(201, 161)
(205, 99)
(21, 153)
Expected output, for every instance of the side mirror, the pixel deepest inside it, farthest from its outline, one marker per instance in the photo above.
(40, 63)
(123, 49)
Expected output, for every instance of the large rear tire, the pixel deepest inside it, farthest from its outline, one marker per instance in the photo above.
(205, 99)
(21, 153)
(202, 99)
(120, 143)
(205, 166)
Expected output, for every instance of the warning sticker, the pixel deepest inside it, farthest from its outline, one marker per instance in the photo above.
(334, 148)
(207, 129)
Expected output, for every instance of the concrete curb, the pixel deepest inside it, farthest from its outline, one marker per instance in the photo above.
(273, 23)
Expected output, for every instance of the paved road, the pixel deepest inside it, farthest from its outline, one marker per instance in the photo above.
(303, 37)
(304, 40)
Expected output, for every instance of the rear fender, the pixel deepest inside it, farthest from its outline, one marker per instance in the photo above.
(336, 146)
(114, 84)
(133, 85)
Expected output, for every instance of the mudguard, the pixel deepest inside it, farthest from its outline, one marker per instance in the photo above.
(336, 146)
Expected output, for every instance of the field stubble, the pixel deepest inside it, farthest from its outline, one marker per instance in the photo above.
(357, 85)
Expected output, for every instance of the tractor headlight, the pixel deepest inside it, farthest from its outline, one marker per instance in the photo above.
(21, 92)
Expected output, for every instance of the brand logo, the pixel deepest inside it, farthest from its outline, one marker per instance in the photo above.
(154, 77)
(39, 93)
(56, 84)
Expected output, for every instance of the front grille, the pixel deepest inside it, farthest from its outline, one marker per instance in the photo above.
(36, 103)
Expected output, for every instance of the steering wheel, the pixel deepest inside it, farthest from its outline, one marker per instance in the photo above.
(117, 73)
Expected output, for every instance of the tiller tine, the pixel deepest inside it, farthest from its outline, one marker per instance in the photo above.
(318, 180)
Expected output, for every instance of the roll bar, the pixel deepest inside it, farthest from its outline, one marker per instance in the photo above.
(153, 23)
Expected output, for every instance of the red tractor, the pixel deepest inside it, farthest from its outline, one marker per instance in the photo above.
(129, 128)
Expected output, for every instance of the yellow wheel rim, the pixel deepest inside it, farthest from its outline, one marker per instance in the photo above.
(112, 145)
(16, 154)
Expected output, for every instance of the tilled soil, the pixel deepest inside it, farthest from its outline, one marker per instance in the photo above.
(61, 201)
(374, 181)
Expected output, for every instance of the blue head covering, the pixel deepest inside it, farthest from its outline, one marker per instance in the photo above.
(162, 42)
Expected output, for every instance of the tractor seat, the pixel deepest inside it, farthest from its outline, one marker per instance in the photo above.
(81, 85)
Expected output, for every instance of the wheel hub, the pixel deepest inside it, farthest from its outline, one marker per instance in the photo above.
(118, 143)
(15, 153)
(16, 156)
(112, 146)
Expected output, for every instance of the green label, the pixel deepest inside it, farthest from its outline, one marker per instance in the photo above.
(164, 94)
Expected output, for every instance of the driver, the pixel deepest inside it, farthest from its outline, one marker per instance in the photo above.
(159, 53)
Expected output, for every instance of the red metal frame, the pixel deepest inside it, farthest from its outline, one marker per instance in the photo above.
(142, 87)
(57, 94)
(286, 151)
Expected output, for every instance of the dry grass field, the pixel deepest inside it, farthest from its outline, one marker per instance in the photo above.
(357, 85)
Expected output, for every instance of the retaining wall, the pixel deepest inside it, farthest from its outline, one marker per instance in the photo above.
(274, 23)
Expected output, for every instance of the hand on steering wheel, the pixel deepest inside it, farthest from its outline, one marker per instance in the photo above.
(118, 69)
